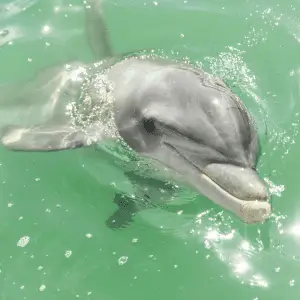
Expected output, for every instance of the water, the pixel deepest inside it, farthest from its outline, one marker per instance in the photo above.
(55, 244)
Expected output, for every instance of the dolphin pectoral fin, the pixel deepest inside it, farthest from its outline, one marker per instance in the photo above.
(42, 138)
(146, 197)
(123, 216)
(96, 30)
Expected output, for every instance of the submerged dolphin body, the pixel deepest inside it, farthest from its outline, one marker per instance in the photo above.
(172, 113)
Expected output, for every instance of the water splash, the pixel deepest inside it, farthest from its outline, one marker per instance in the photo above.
(273, 188)
(231, 67)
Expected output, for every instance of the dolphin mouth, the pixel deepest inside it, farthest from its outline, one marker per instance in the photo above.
(241, 190)
(249, 211)
(237, 189)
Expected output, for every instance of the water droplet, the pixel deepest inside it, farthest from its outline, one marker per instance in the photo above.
(122, 260)
(277, 269)
(23, 241)
(68, 253)
(292, 282)
(46, 29)
(42, 288)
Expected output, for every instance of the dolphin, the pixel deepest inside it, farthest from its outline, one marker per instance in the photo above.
(173, 113)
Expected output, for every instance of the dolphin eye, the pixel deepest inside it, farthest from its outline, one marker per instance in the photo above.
(149, 126)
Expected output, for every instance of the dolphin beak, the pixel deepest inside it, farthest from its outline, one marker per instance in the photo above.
(238, 189)
(243, 183)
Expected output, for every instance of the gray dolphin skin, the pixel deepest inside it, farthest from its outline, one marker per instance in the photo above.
(173, 113)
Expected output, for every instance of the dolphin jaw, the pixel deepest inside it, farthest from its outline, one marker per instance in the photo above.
(221, 183)
(249, 211)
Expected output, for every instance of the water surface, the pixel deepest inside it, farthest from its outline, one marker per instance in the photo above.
(55, 244)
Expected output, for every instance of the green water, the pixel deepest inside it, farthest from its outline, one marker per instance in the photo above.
(54, 241)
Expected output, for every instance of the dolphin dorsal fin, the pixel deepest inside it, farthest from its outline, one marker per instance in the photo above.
(96, 30)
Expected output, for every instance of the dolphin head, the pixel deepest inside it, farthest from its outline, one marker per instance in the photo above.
(193, 123)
